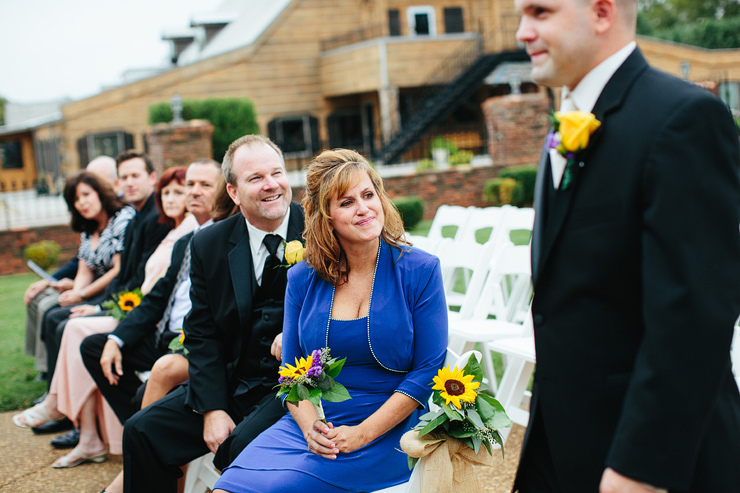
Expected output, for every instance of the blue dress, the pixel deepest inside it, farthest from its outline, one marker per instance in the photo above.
(278, 460)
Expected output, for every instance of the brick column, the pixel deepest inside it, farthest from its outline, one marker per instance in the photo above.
(179, 144)
(517, 126)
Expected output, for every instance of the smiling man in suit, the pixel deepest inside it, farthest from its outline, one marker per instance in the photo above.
(636, 261)
(237, 298)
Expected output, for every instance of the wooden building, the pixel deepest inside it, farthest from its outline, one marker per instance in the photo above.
(333, 73)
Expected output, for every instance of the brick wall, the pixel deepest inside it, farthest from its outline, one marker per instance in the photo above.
(13, 242)
(517, 126)
(179, 144)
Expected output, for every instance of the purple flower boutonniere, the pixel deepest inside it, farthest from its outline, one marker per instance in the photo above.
(572, 131)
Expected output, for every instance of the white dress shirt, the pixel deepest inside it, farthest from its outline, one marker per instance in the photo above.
(258, 248)
(584, 97)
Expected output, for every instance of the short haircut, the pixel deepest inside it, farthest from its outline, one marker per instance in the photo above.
(206, 160)
(131, 154)
(170, 174)
(330, 175)
(227, 167)
(108, 199)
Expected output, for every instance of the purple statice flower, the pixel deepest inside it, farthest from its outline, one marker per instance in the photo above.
(552, 140)
(313, 372)
(570, 155)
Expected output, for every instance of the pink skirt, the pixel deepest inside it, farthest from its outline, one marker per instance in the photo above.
(73, 385)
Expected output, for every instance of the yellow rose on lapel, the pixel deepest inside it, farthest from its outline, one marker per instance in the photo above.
(294, 252)
(575, 129)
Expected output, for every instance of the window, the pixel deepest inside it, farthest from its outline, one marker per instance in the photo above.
(394, 22)
(11, 155)
(345, 129)
(103, 144)
(297, 136)
(454, 20)
(422, 21)
(729, 92)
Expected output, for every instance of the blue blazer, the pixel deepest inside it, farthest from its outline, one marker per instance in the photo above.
(408, 316)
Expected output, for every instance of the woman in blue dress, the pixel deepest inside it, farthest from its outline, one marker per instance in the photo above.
(367, 295)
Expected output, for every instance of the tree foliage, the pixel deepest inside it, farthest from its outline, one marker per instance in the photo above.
(2, 110)
(710, 24)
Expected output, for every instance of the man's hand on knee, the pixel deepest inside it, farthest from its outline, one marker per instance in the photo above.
(217, 426)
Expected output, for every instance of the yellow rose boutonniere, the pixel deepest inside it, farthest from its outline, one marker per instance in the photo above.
(294, 251)
(572, 132)
(178, 344)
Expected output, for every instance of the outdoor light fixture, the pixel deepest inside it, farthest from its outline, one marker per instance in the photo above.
(176, 105)
(515, 82)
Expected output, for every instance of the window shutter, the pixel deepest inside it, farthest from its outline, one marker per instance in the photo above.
(394, 22)
(454, 20)
(82, 151)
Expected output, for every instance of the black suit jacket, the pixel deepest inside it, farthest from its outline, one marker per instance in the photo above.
(636, 271)
(143, 321)
(221, 274)
(143, 235)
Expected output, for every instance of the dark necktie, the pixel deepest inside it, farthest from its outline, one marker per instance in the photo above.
(182, 274)
(270, 271)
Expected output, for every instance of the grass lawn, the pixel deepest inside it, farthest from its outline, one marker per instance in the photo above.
(17, 386)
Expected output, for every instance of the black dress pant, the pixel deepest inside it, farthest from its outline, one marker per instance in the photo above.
(166, 435)
(536, 473)
(138, 357)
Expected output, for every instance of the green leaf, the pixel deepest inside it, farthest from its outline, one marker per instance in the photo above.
(293, 394)
(476, 443)
(337, 393)
(302, 391)
(325, 383)
(498, 439)
(452, 413)
(488, 447)
(473, 368)
(412, 462)
(485, 410)
(335, 368)
(433, 424)
(428, 416)
(314, 395)
(475, 418)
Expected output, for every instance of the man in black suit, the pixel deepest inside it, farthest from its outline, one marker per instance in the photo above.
(136, 178)
(237, 297)
(636, 261)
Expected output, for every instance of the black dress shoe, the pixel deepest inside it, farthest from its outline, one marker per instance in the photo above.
(68, 440)
(53, 427)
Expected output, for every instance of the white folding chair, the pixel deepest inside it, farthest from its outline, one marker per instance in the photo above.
(448, 215)
(507, 287)
(482, 219)
(735, 354)
(516, 218)
(459, 261)
(520, 361)
(201, 475)
(425, 243)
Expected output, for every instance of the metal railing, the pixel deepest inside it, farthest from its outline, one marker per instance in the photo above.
(26, 208)
(352, 37)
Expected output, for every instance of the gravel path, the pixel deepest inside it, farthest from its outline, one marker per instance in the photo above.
(25, 465)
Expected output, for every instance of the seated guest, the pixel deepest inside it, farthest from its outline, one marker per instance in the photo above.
(237, 311)
(143, 234)
(372, 299)
(41, 295)
(72, 390)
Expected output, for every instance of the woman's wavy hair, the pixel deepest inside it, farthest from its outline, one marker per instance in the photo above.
(177, 174)
(330, 175)
(108, 199)
(223, 205)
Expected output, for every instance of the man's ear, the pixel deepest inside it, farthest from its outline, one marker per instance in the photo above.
(603, 15)
(231, 190)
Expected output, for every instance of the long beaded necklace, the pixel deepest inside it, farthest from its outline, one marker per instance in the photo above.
(369, 305)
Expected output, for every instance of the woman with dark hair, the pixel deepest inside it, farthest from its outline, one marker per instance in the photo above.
(367, 294)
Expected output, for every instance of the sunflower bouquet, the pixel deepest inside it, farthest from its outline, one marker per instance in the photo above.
(122, 303)
(312, 379)
(465, 413)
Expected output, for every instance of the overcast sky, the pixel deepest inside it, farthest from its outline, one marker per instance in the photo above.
(52, 49)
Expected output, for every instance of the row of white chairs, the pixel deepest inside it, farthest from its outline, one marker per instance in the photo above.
(469, 221)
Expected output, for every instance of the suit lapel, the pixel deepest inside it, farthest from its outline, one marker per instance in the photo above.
(296, 222)
(242, 272)
(539, 211)
(610, 99)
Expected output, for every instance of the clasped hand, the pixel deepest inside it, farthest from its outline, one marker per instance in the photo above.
(327, 441)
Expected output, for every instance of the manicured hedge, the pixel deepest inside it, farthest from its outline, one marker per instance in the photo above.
(411, 209)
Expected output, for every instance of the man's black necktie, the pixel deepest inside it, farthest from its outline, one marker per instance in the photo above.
(270, 272)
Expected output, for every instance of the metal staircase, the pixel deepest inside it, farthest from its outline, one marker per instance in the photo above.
(443, 99)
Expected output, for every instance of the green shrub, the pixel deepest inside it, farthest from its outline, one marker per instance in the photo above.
(231, 118)
(43, 253)
(442, 143)
(461, 157)
(492, 190)
(425, 164)
(502, 191)
(527, 177)
(411, 209)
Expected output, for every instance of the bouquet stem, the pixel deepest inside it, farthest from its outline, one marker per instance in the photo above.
(320, 412)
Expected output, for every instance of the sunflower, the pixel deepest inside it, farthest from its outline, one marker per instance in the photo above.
(455, 386)
(129, 301)
(300, 368)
